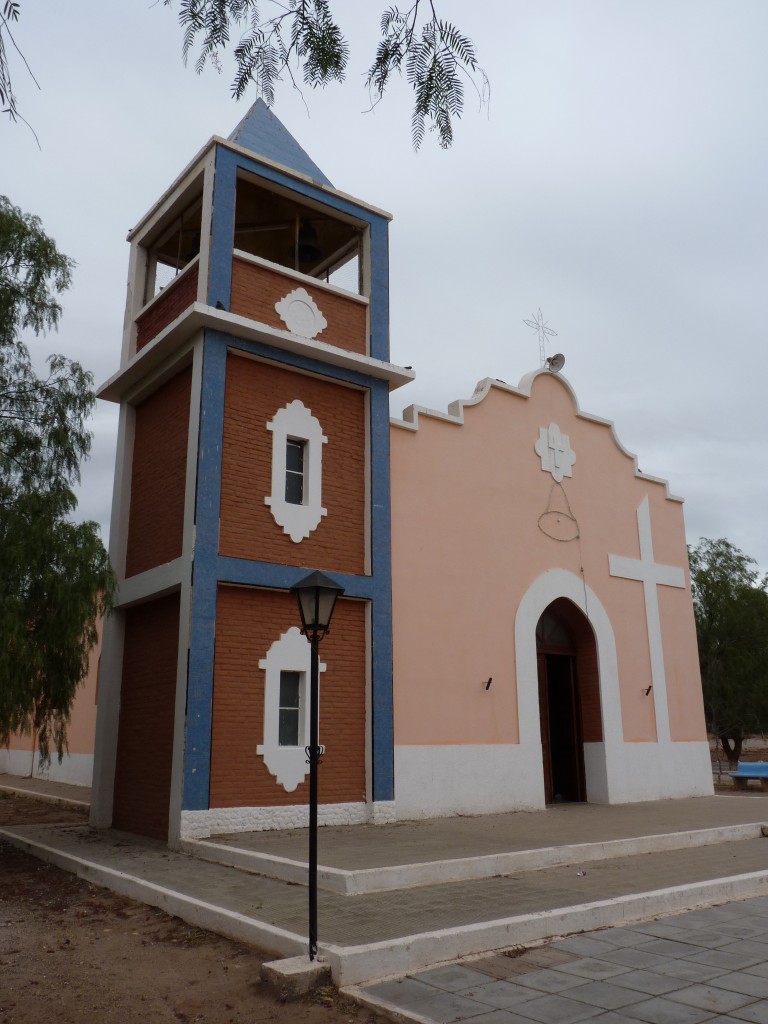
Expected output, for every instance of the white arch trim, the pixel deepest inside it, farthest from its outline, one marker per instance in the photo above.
(599, 758)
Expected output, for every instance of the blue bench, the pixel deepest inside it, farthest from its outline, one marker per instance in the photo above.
(747, 770)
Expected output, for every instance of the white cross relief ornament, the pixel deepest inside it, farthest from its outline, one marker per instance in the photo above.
(554, 450)
(652, 575)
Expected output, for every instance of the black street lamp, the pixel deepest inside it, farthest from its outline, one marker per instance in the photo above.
(316, 597)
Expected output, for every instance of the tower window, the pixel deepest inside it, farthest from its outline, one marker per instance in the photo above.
(295, 452)
(290, 709)
(297, 470)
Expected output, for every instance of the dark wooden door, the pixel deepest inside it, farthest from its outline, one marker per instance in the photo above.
(560, 719)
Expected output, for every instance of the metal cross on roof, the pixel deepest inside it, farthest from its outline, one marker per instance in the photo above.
(540, 326)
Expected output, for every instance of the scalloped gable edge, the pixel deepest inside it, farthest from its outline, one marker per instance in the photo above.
(455, 415)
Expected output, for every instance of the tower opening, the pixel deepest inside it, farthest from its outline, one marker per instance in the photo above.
(275, 226)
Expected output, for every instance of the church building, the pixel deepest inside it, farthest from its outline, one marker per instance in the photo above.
(516, 627)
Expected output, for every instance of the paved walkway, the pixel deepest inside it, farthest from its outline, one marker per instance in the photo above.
(705, 965)
(389, 934)
(413, 842)
(44, 789)
(356, 920)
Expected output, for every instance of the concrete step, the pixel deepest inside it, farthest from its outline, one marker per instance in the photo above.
(392, 933)
(388, 878)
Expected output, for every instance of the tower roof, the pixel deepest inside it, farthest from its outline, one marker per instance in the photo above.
(265, 135)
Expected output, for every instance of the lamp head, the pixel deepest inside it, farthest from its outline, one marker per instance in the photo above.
(316, 597)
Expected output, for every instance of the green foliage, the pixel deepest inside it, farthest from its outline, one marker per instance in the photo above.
(9, 13)
(434, 58)
(434, 53)
(55, 579)
(731, 610)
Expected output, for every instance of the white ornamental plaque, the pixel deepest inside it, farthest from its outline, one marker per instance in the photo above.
(301, 314)
(554, 450)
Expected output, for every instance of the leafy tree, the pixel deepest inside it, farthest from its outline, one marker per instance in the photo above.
(731, 610)
(436, 57)
(55, 579)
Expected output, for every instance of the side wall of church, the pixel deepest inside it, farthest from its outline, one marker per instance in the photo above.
(173, 300)
(145, 738)
(156, 517)
(76, 767)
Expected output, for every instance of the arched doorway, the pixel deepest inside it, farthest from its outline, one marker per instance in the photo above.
(569, 699)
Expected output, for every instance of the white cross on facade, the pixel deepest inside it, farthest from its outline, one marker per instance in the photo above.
(651, 575)
(554, 450)
(556, 446)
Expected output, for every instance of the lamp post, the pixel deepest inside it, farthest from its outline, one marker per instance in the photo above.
(316, 597)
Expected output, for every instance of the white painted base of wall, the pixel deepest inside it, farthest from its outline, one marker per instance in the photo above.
(16, 762)
(223, 820)
(438, 781)
(658, 771)
(74, 770)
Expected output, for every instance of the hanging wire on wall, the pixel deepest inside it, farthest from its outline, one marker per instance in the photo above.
(561, 524)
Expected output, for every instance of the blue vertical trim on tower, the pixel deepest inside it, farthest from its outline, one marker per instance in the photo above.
(222, 230)
(380, 290)
(197, 748)
(383, 783)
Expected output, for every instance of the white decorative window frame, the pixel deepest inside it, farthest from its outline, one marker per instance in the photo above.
(296, 422)
(291, 653)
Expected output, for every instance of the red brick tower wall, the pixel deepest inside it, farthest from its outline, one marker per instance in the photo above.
(256, 290)
(156, 517)
(147, 702)
(175, 298)
(248, 621)
(255, 391)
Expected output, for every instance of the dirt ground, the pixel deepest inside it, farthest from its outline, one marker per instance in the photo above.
(75, 953)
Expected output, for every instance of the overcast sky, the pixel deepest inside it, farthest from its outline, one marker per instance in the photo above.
(618, 180)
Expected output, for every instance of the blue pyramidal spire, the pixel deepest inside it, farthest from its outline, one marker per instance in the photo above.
(264, 134)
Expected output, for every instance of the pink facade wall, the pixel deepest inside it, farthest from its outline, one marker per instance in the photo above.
(466, 502)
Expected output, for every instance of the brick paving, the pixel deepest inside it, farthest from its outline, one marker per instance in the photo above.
(414, 842)
(355, 920)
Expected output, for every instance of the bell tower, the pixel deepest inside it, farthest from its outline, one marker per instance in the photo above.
(253, 446)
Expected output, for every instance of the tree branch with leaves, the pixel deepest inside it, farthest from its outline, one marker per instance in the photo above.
(9, 15)
(302, 36)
